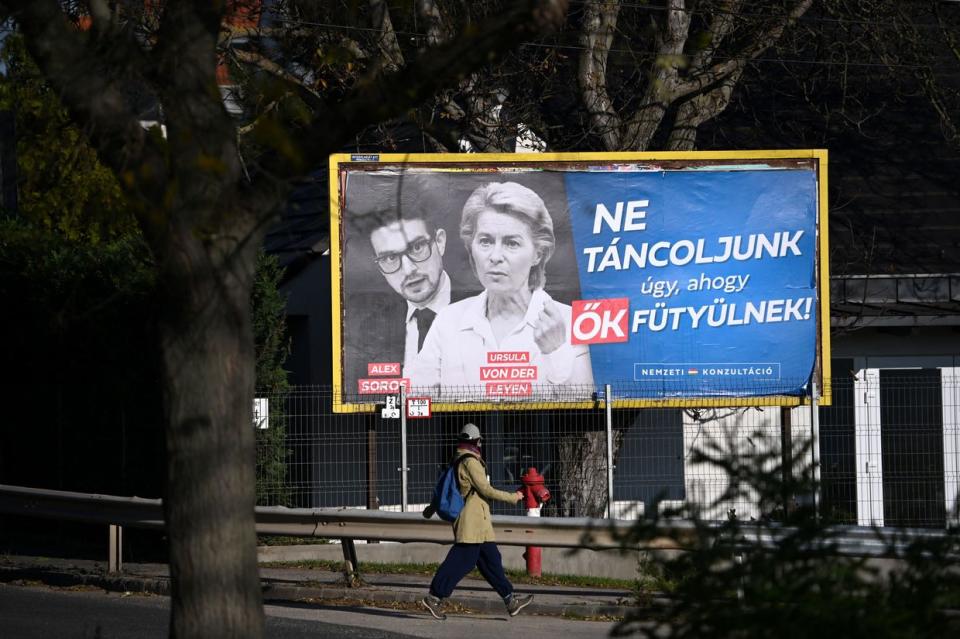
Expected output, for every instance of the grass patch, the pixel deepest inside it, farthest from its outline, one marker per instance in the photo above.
(655, 577)
(331, 565)
(582, 581)
(281, 540)
(516, 576)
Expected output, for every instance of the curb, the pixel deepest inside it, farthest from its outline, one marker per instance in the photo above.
(274, 592)
(468, 603)
(63, 579)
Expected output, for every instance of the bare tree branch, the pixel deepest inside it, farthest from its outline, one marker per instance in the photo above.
(596, 37)
(736, 62)
(438, 29)
(711, 87)
(201, 134)
(662, 88)
(934, 89)
(391, 57)
(723, 23)
(264, 63)
(381, 98)
(697, 110)
(948, 33)
(480, 103)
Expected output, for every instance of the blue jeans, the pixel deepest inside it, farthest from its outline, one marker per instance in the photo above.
(461, 559)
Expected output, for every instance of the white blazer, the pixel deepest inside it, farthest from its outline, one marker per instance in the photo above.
(455, 353)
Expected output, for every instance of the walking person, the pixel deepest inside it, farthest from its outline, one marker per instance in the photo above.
(473, 533)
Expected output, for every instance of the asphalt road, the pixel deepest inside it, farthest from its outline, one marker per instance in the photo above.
(34, 612)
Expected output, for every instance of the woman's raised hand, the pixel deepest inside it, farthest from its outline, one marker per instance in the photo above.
(549, 332)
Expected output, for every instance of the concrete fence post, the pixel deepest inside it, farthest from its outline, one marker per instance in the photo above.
(115, 552)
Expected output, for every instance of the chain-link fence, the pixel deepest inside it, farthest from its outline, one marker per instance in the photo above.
(890, 447)
(885, 452)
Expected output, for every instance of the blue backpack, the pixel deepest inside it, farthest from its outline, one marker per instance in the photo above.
(447, 501)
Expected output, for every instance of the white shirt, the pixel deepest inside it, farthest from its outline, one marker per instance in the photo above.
(456, 352)
(439, 301)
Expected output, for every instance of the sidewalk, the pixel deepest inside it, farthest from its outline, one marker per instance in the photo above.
(326, 588)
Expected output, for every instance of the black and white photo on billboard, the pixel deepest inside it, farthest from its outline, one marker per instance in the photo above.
(459, 281)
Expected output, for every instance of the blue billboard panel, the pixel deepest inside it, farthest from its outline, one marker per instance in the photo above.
(715, 273)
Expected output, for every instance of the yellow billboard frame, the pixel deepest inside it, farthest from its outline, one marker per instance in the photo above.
(339, 160)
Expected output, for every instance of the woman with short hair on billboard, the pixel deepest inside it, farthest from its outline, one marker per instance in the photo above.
(512, 339)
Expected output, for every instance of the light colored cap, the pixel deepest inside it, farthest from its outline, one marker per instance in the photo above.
(469, 432)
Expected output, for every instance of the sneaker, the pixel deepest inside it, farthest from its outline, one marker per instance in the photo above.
(518, 603)
(434, 606)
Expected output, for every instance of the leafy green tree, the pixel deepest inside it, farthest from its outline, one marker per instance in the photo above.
(61, 186)
(75, 258)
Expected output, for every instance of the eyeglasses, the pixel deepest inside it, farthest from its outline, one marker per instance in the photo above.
(417, 251)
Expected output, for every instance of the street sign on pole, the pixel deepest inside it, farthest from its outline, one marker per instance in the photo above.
(418, 407)
(261, 412)
(392, 409)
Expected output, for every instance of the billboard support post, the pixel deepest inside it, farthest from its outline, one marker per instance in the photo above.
(815, 446)
(372, 501)
(403, 451)
(608, 401)
(786, 459)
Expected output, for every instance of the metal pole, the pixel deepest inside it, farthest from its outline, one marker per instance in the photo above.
(351, 565)
(815, 445)
(372, 502)
(403, 451)
(786, 458)
(115, 552)
(608, 400)
(738, 559)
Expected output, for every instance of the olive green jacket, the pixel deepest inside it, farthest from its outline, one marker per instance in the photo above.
(474, 526)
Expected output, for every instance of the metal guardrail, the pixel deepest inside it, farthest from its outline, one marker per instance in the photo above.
(91, 508)
(349, 524)
(328, 523)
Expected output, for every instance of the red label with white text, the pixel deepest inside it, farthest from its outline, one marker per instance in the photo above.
(378, 386)
(383, 369)
(508, 357)
(600, 321)
(509, 389)
(491, 373)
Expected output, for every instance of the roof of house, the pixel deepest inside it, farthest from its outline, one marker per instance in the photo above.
(896, 300)
(303, 231)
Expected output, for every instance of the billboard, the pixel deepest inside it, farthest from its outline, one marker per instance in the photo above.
(485, 280)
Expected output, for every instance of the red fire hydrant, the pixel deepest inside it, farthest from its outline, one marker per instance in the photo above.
(535, 494)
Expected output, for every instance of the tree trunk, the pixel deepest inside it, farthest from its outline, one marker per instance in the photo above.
(208, 358)
(583, 473)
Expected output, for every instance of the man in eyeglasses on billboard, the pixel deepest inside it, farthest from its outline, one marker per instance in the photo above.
(409, 253)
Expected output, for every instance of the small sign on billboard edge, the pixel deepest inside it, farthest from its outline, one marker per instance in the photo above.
(418, 407)
(391, 410)
(261, 413)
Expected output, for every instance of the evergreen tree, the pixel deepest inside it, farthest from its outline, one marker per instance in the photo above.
(272, 347)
